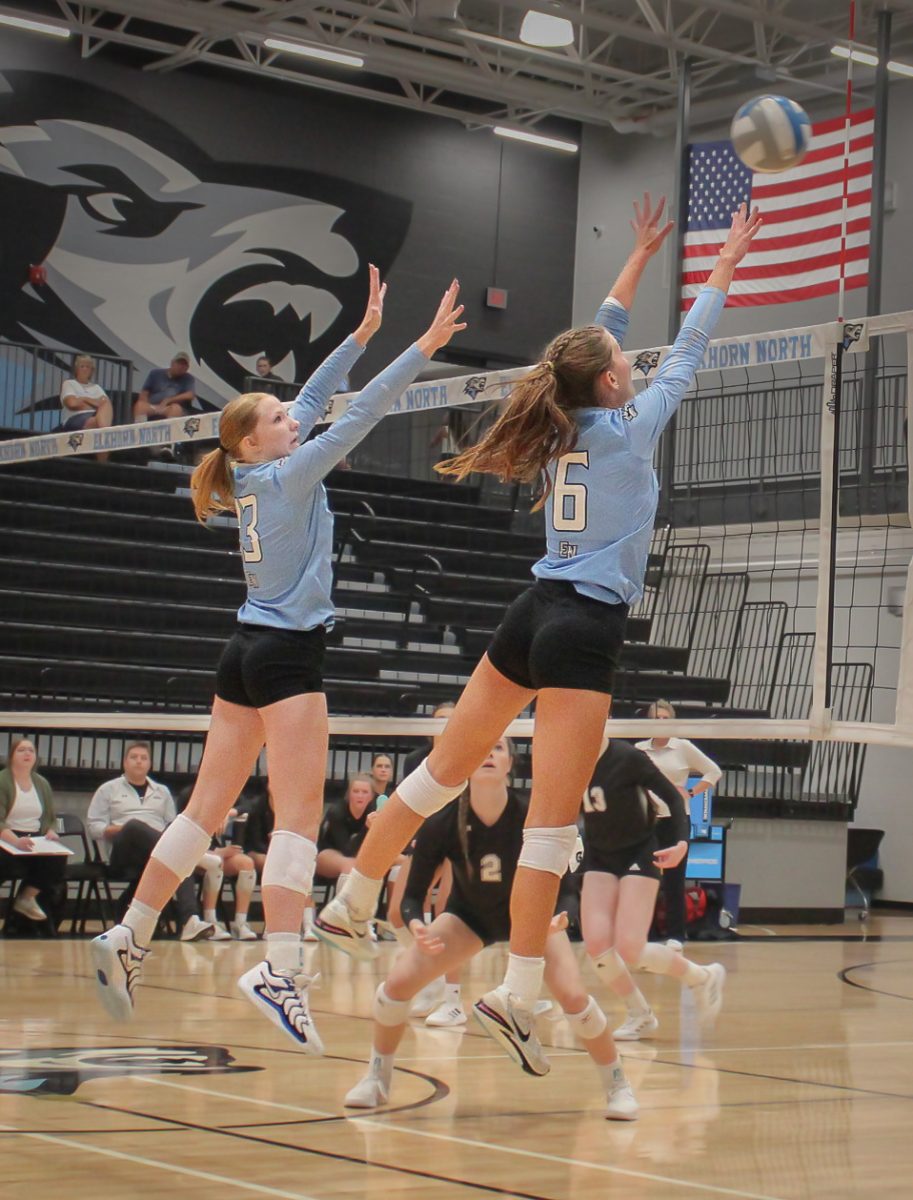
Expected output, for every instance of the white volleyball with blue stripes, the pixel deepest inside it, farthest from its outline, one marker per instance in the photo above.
(771, 133)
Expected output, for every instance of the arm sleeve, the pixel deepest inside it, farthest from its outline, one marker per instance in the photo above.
(97, 817)
(700, 764)
(426, 858)
(311, 402)
(170, 808)
(328, 836)
(613, 315)
(308, 465)
(678, 823)
(657, 403)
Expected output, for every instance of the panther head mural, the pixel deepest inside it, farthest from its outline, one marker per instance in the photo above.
(150, 245)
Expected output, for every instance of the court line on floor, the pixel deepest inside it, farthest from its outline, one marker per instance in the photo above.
(259, 1189)
(843, 976)
(453, 1139)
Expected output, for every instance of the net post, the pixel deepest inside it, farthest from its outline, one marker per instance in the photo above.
(903, 715)
(827, 527)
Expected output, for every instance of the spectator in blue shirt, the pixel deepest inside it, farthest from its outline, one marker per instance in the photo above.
(167, 392)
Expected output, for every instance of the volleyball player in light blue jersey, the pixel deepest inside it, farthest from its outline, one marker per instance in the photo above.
(573, 422)
(269, 682)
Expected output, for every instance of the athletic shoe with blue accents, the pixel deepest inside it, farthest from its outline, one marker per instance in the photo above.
(118, 963)
(505, 1019)
(282, 997)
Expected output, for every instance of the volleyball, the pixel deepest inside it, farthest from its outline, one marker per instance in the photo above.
(771, 133)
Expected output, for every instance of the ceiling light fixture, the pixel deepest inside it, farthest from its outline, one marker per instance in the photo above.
(33, 26)
(324, 53)
(543, 29)
(869, 59)
(536, 139)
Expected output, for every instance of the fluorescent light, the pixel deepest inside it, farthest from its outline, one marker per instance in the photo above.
(31, 26)
(543, 29)
(322, 52)
(536, 139)
(900, 68)
(859, 56)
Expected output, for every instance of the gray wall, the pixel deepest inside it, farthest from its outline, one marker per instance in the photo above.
(787, 864)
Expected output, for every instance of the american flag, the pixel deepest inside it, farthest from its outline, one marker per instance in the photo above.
(796, 256)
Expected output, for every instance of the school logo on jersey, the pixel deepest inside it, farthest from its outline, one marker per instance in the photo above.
(475, 385)
(75, 440)
(629, 412)
(151, 244)
(853, 332)
(567, 550)
(646, 361)
(59, 1071)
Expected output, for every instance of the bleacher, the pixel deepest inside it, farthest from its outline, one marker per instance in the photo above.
(114, 597)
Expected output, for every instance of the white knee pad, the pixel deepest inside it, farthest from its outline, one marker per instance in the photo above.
(548, 849)
(181, 846)
(610, 965)
(214, 872)
(657, 959)
(246, 880)
(290, 862)
(390, 1012)
(590, 1023)
(421, 792)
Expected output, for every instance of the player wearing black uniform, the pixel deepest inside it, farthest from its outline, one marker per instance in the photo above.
(481, 834)
(623, 863)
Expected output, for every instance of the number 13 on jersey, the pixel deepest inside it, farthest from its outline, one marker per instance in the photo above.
(569, 508)
(251, 550)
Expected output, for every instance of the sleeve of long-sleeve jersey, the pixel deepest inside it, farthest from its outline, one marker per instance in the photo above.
(310, 463)
(311, 402)
(97, 818)
(613, 315)
(650, 411)
(425, 860)
(700, 764)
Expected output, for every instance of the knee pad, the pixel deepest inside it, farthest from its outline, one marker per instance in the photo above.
(657, 959)
(290, 862)
(181, 846)
(246, 880)
(610, 965)
(421, 792)
(214, 872)
(548, 849)
(390, 1012)
(589, 1023)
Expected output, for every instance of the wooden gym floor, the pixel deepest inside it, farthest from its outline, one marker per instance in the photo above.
(803, 1089)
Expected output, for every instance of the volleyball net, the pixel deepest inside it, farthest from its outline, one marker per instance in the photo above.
(776, 615)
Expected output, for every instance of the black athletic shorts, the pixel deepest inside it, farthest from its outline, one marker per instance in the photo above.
(261, 666)
(552, 637)
(632, 860)
(487, 930)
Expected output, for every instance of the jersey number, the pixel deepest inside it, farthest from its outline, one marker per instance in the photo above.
(251, 551)
(569, 511)
(594, 801)
(490, 869)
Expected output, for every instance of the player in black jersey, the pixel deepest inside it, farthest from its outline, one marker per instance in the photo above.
(622, 864)
(481, 834)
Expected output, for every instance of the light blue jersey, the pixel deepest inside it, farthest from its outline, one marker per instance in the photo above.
(600, 512)
(286, 523)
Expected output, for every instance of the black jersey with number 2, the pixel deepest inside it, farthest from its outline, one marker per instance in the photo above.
(480, 895)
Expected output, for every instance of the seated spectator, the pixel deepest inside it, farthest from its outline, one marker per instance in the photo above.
(257, 828)
(234, 864)
(84, 404)
(265, 369)
(343, 830)
(127, 816)
(167, 391)
(382, 777)
(26, 812)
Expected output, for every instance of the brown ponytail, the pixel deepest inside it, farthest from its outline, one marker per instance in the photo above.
(536, 426)
(212, 485)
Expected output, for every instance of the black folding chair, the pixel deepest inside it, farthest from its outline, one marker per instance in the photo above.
(90, 876)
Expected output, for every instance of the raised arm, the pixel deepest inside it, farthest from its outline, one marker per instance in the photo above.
(311, 402)
(649, 235)
(311, 462)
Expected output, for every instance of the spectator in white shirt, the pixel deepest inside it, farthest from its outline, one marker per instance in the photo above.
(127, 816)
(27, 812)
(84, 404)
(679, 760)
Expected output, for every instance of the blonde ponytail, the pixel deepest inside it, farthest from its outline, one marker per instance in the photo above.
(212, 485)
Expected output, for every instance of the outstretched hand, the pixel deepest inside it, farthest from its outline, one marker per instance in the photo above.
(426, 942)
(743, 229)
(649, 233)
(374, 313)
(445, 324)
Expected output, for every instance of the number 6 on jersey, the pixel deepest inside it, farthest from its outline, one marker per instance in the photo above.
(569, 510)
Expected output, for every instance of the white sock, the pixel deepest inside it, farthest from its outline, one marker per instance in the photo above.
(381, 1067)
(659, 960)
(141, 920)
(636, 1003)
(240, 917)
(283, 951)
(209, 914)
(360, 895)
(695, 975)
(452, 993)
(612, 1075)
(523, 978)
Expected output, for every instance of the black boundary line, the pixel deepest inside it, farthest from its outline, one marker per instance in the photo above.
(56, 1132)
(760, 938)
(844, 977)
(415, 1172)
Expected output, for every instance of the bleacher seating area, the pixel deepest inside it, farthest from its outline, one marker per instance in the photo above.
(115, 598)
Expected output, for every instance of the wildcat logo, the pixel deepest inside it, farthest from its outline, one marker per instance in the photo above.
(646, 361)
(475, 385)
(629, 412)
(61, 1070)
(191, 426)
(853, 333)
(149, 243)
(75, 440)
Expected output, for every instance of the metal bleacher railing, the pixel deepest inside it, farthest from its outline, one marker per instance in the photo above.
(31, 377)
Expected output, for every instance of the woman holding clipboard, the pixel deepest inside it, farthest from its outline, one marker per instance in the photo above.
(26, 813)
